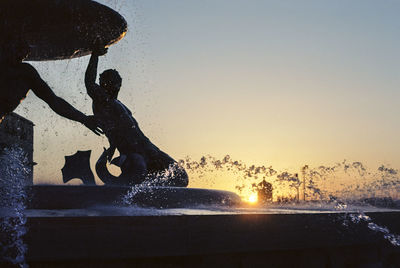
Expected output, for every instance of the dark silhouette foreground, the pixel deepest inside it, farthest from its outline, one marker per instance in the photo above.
(60, 29)
(17, 78)
(139, 159)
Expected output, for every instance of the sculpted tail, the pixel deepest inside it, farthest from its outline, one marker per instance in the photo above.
(77, 166)
(102, 171)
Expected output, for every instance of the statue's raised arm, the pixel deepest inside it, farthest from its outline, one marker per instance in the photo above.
(17, 78)
(57, 104)
(92, 88)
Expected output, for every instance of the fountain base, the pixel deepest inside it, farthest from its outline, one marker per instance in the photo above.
(75, 197)
(71, 226)
(241, 240)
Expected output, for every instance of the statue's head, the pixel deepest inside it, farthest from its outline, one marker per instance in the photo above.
(14, 48)
(111, 81)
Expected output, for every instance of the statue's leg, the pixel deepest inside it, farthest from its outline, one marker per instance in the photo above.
(134, 169)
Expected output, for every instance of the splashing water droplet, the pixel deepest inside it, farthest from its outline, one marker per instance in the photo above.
(13, 196)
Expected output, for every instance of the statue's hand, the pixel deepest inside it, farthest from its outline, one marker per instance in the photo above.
(110, 153)
(99, 48)
(100, 51)
(91, 123)
(103, 157)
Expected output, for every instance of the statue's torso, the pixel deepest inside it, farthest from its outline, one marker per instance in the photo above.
(120, 127)
(123, 131)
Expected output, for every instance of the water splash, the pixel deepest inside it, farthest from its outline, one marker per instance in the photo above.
(13, 196)
(340, 186)
(346, 181)
(156, 179)
(361, 217)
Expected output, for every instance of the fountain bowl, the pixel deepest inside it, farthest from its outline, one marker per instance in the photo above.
(60, 29)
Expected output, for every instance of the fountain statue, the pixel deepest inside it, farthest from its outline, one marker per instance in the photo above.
(49, 30)
(146, 216)
(58, 30)
(140, 159)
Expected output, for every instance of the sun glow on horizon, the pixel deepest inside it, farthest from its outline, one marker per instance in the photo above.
(253, 198)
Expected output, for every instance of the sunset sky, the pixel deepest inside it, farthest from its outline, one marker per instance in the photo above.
(281, 83)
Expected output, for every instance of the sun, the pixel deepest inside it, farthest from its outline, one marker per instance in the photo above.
(253, 198)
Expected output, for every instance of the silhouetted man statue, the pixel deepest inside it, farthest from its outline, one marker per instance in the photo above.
(17, 78)
(139, 157)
